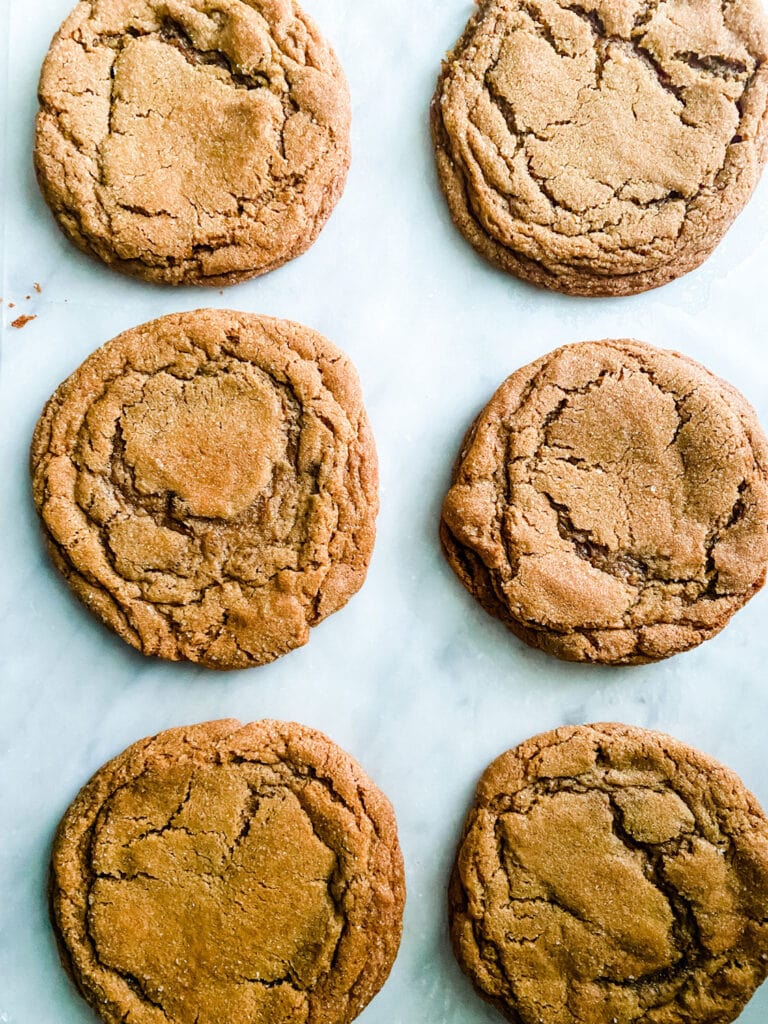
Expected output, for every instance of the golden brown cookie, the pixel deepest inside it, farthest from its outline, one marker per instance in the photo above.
(208, 485)
(611, 875)
(610, 503)
(229, 874)
(602, 147)
(192, 141)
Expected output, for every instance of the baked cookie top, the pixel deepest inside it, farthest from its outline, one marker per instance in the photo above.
(610, 503)
(223, 873)
(208, 485)
(192, 141)
(610, 875)
(602, 147)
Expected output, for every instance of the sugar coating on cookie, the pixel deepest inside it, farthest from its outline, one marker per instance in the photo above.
(192, 141)
(611, 875)
(610, 503)
(208, 485)
(603, 147)
(224, 874)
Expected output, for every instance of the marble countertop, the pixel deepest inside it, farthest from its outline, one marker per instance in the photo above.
(412, 677)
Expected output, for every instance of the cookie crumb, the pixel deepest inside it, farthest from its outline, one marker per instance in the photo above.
(22, 321)
(38, 288)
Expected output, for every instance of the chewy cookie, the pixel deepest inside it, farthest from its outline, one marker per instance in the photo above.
(610, 503)
(602, 147)
(192, 141)
(229, 874)
(610, 875)
(208, 485)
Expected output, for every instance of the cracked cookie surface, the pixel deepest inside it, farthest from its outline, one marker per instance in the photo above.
(610, 503)
(611, 875)
(602, 147)
(192, 141)
(208, 485)
(229, 874)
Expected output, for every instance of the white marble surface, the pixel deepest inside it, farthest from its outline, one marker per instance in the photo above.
(412, 677)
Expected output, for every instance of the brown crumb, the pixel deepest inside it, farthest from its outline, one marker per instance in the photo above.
(38, 289)
(22, 321)
(11, 305)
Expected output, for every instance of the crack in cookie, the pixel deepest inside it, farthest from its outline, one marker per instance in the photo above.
(598, 149)
(192, 142)
(208, 485)
(610, 875)
(221, 873)
(611, 504)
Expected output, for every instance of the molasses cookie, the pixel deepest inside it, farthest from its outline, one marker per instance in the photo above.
(610, 503)
(229, 874)
(602, 147)
(610, 875)
(192, 141)
(208, 485)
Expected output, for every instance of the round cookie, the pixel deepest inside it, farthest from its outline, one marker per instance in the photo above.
(208, 485)
(192, 141)
(229, 874)
(610, 503)
(602, 148)
(611, 875)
